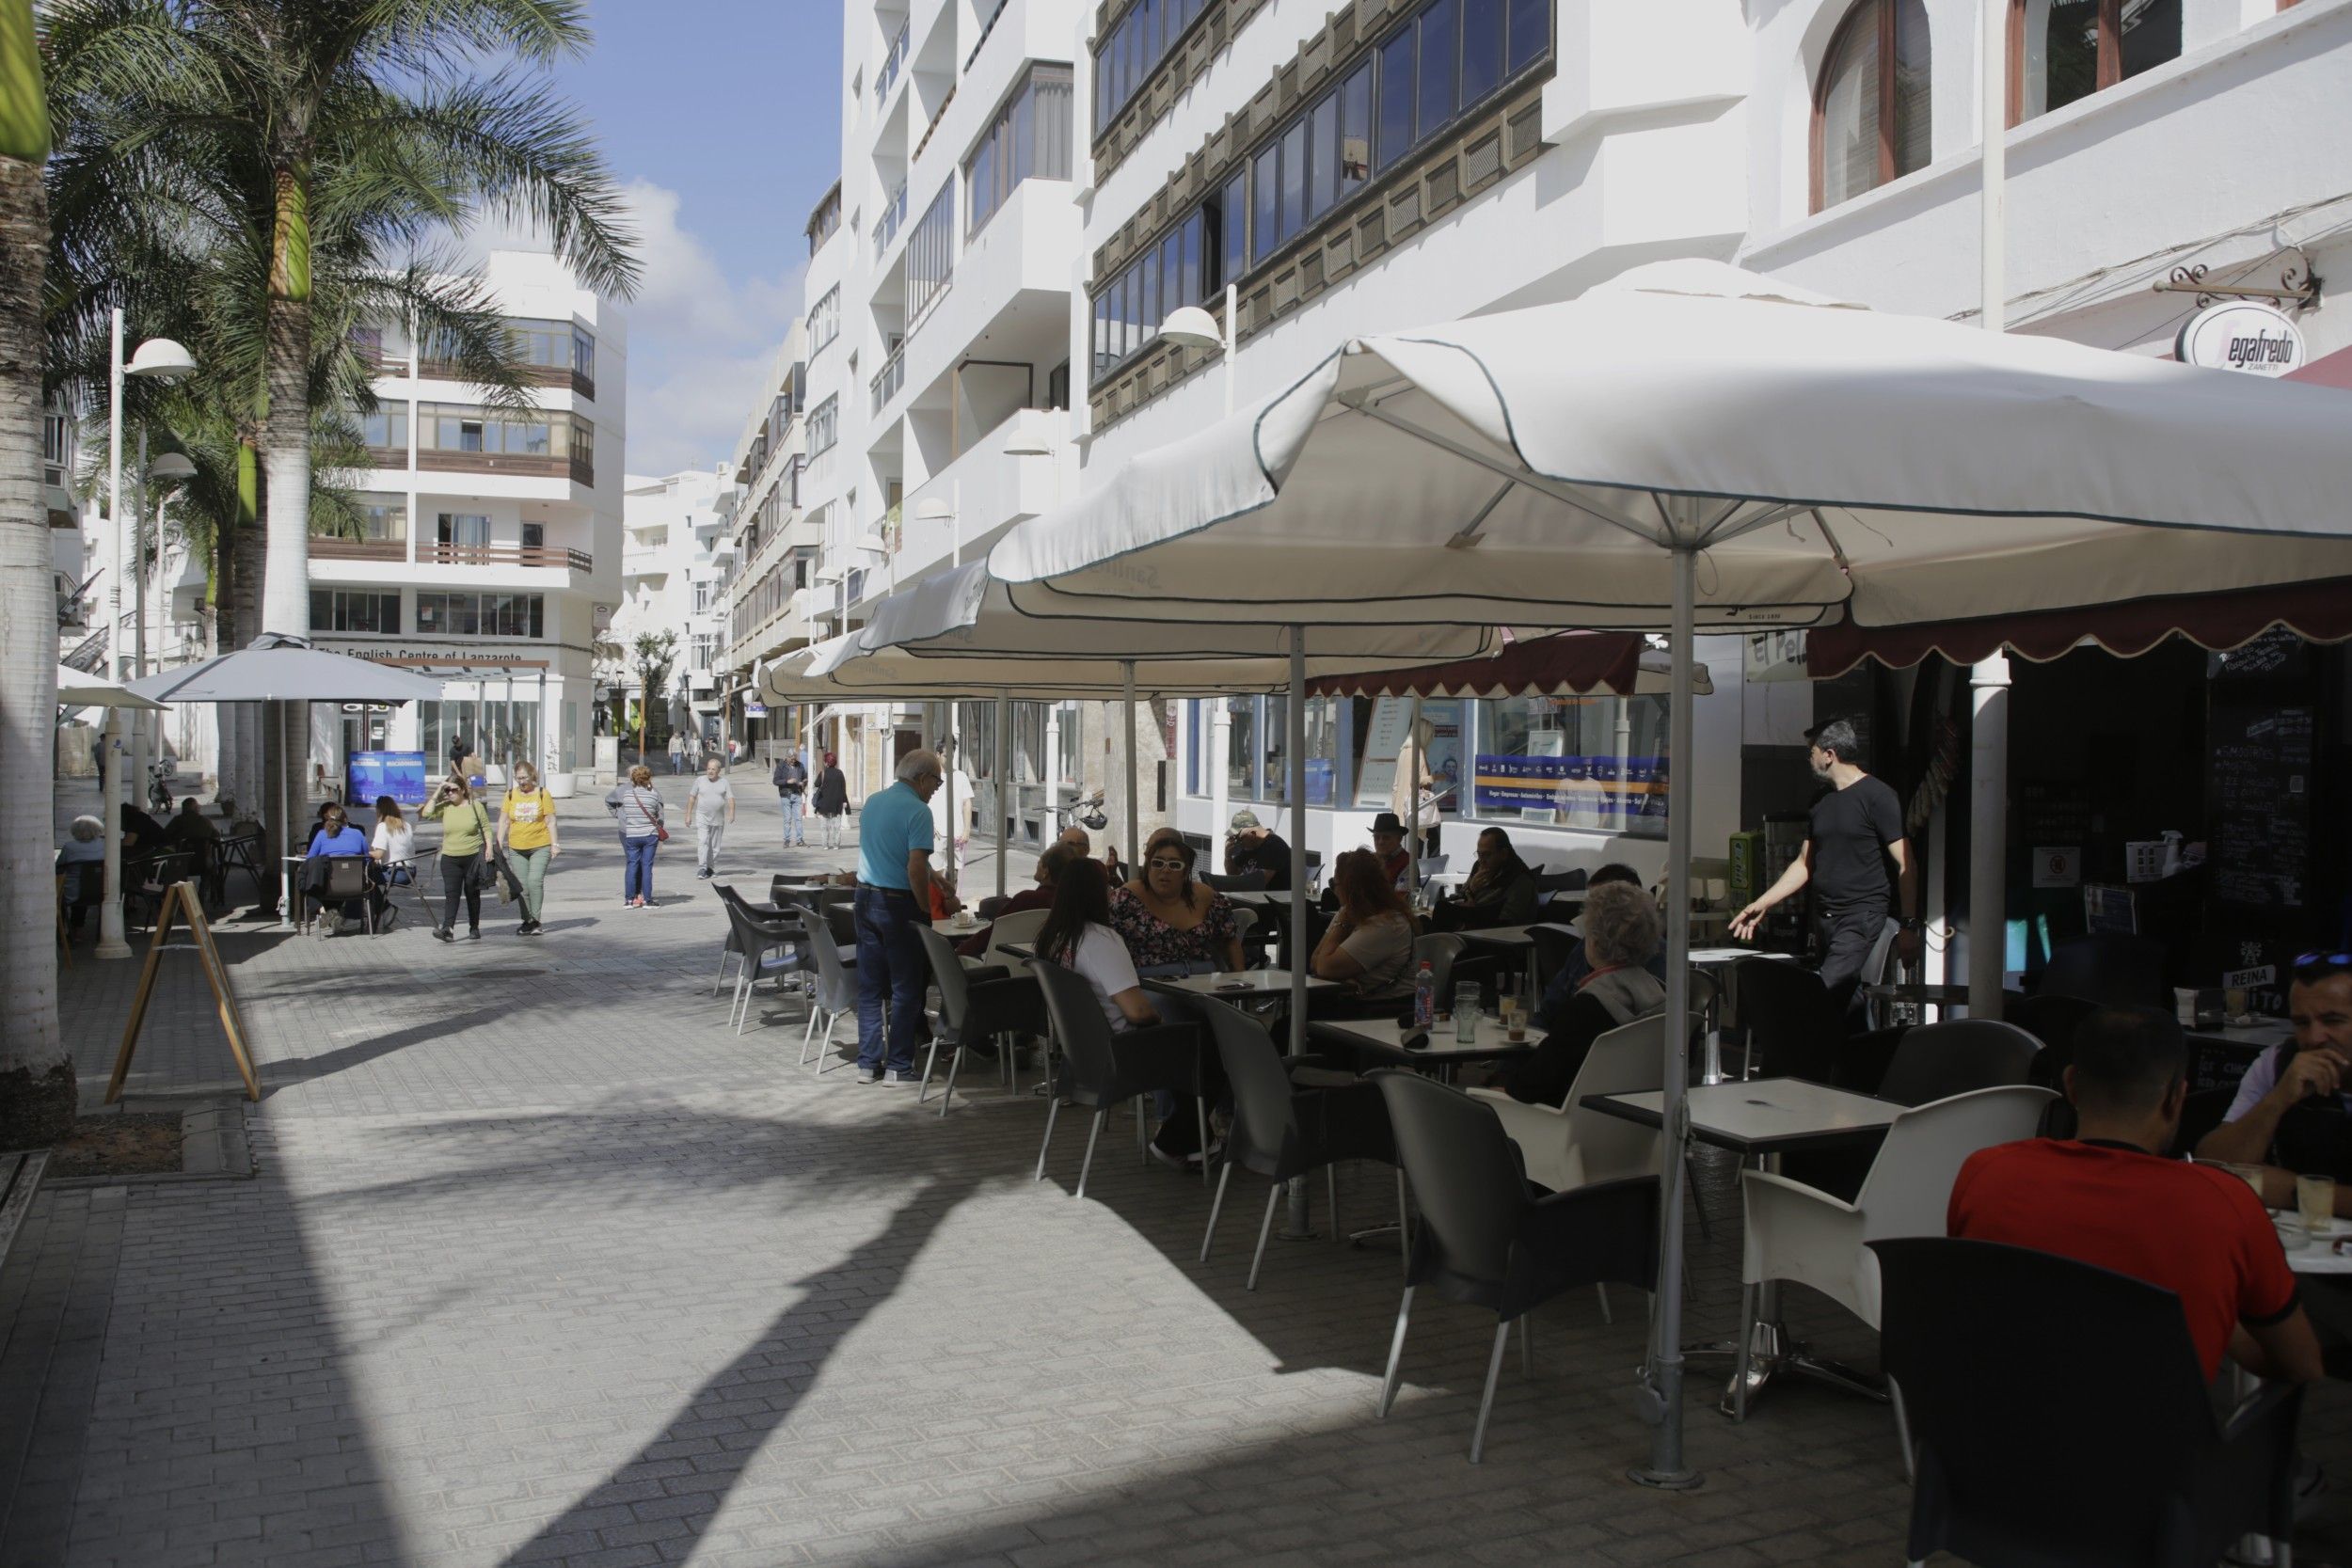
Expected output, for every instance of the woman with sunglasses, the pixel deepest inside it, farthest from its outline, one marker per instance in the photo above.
(1170, 924)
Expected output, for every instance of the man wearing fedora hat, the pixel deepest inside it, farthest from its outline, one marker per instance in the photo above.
(1251, 845)
(1387, 842)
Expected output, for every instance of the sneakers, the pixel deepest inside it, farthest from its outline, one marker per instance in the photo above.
(528, 929)
(1173, 1161)
(442, 933)
(634, 904)
(897, 1080)
(473, 933)
(867, 1075)
(704, 874)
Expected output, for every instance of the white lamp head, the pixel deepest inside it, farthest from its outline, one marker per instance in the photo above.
(1029, 444)
(171, 465)
(162, 359)
(870, 542)
(934, 511)
(1192, 327)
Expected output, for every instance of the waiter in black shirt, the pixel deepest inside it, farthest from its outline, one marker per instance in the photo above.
(1855, 859)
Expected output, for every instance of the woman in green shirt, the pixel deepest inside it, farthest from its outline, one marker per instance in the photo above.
(464, 835)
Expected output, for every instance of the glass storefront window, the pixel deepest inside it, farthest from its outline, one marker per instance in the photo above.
(1241, 756)
(1594, 762)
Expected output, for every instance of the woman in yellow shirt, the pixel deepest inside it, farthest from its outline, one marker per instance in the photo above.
(527, 830)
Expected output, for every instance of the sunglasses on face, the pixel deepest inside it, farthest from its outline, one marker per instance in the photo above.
(1165, 865)
(2319, 966)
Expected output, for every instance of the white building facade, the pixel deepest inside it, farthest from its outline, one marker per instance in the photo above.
(1375, 166)
(491, 552)
(675, 558)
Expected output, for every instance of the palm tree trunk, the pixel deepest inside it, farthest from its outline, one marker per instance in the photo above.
(37, 1086)
(286, 465)
(246, 616)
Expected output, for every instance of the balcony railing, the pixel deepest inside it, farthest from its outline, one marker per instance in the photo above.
(887, 77)
(327, 546)
(930, 253)
(893, 212)
(536, 465)
(887, 380)
(506, 555)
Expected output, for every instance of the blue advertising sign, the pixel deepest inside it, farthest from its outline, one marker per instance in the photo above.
(398, 774)
(1586, 787)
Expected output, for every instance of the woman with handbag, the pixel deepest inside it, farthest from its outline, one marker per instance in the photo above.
(638, 810)
(527, 833)
(464, 864)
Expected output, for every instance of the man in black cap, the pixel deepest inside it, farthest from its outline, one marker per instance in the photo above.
(1855, 859)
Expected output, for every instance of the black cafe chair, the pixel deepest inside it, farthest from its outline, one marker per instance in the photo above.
(2061, 1418)
(1101, 1069)
(1487, 1239)
(974, 1005)
(1936, 1061)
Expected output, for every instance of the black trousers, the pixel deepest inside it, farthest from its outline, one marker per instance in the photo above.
(1847, 938)
(456, 882)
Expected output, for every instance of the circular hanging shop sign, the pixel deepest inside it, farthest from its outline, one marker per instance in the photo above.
(2239, 335)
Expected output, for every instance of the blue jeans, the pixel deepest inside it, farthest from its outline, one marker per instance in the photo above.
(889, 967)
(792, 818)
(637, 869)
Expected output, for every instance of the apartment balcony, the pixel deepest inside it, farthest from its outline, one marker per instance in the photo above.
(338, 563)
(886, 381)
(328, 547)
(580, 470)
(1016, 471)
(1010, 291)
(894, 62)
(529, 375)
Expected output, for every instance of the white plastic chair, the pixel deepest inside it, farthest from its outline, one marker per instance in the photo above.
(1568, 1145)
(1801, 1233)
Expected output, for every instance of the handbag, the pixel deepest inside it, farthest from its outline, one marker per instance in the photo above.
(661, 833)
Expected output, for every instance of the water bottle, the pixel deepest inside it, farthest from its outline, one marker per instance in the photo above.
(1425, 996)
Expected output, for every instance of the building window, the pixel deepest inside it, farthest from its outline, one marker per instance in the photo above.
(2062, 50)
(702, 594)
(1597, 762)
(55, 443)
(461, 528)
(929, 260)
(382, 519)
(824, 320)
(347, 609)
(1133, 47)
(386, 431)
(480, 615)
(702, 651)
(1871, 111)
(823, 426)
(1443, 62)
(1029, 139)
(456, 431)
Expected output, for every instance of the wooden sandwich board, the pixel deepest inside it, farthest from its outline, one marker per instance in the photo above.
(181, 899)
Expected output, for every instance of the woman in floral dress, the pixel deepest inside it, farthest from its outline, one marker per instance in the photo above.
(1170, 924)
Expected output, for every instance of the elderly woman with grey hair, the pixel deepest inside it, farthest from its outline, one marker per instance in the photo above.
(82, 861)
(1622, 929)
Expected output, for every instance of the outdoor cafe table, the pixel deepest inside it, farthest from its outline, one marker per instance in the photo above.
(1724, 958)
(1381, 1038)
(1240, 985)
(1769, 1118)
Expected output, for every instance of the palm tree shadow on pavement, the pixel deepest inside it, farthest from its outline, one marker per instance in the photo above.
(775, 1369)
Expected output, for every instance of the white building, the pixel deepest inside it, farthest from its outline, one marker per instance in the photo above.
(938, 339)
(1370, 167)
(674, 561)
(774, 543)
(491, 552)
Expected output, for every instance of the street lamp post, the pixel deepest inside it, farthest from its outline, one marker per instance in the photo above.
(1191, 326)
(160, 359)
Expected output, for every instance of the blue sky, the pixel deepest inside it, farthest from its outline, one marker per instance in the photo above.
(721, 120)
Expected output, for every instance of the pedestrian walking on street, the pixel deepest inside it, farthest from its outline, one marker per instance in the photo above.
(678, 752)
(527, 832)
(791, 781)
(894, 897)
(710, 810)
(833, 800)
(465, 854)
(638, 810)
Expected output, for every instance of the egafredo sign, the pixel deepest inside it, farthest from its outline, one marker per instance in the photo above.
(2238, 335)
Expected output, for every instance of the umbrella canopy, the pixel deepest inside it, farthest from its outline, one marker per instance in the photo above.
(1541, 466)
(1694, 446)
(275, 668)
(81, 688)
(1567, 665)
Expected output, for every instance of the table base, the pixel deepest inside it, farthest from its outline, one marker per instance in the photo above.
(1774, 1355)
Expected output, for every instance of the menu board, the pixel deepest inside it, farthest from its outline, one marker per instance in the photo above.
(2262, 823)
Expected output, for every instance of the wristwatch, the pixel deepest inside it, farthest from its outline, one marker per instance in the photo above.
(1912, 923)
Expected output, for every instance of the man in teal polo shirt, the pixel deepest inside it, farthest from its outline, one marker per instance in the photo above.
(894, 896)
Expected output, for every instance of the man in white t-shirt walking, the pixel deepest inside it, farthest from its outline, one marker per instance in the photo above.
(709, 807)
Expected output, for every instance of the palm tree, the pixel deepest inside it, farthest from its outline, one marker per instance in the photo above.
(37, 1086)
(654, 655)
(284, 170)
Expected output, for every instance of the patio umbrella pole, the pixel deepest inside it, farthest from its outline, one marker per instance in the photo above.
(1127, 696)
(1412, 787)
(1296, 745)
(1664, 1376)
(1004, 777)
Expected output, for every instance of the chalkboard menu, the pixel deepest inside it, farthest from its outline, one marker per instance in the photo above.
(2259, 725)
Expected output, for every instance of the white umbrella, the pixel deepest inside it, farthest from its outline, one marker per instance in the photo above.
(278, 668)
(79, 689)
(1696, 446)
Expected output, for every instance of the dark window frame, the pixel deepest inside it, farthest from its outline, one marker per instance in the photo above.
(1883, 15)
(2109, 65)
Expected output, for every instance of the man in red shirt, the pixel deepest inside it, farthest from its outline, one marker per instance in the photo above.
(2111, 1197)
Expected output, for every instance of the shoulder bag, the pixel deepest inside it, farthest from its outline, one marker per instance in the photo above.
(661, 833)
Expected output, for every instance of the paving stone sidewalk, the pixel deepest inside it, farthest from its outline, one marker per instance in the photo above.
(544, 1264)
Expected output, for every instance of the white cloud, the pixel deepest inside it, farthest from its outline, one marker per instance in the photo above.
(700, 343)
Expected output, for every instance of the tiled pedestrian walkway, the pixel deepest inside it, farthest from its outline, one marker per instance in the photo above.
(543, 1265)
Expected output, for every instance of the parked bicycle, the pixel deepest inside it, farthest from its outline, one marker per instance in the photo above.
(160, 774)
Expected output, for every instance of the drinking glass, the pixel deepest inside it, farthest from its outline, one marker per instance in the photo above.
(2316, 1201)
(2233, 1002)
(1466, 1013)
